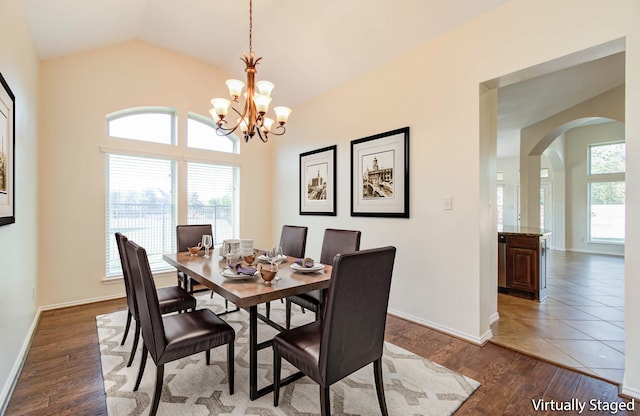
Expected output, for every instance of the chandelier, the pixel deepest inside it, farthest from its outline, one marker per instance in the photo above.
(257, 98)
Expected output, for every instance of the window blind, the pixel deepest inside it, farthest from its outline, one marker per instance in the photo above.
(141, 205)
(212, 192)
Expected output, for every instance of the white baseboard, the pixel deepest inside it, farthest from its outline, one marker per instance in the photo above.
(494, 318)
(629, 392)
(80, 302)
(577, 250)
(7, 389)
(449, 331)
(10, 384)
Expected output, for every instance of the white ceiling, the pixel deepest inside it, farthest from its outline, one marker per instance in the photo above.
(526, 102)
(326, 42)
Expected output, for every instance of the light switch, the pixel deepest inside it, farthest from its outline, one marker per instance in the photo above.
(448, 204)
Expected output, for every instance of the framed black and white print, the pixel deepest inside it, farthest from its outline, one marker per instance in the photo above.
(318, 182)
(380, 175)
(7, 156)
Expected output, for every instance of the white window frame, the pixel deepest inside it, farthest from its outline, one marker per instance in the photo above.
(233, 138)
(111, 252)
(145, 110)
(599, 178)
(180, 154)
(235, 197)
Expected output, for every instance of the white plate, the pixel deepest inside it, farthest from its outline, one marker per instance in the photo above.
(316, 268)
(232, 275)
(264, 259)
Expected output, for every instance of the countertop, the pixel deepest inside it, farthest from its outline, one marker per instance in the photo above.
(523, 230)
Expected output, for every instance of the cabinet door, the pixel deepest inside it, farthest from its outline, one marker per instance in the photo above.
(522, 269)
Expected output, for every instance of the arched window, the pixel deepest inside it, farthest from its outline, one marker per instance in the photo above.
(143, 189)
(149, 124)
(201, 134)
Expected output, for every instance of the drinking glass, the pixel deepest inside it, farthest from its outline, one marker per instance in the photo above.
(229, 254)
(207, 242)
(270, 257)
(278, 258)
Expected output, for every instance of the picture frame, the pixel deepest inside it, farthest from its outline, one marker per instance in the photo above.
(380, 175)
(318, 182)
(7, 154)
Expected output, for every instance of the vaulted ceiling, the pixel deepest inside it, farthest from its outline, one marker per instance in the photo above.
(308, 47)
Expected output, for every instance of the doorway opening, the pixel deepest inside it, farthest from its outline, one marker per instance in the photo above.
(540, 120)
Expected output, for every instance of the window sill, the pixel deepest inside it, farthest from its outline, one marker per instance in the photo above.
(156, 275)
(606, 243)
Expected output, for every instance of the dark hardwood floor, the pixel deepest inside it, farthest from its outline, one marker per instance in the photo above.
(62, 374)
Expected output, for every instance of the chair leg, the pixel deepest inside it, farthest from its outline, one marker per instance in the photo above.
(277, 360)
(136, 337)
(126, 328)
(325, 402)
(143, 362)
(377, 373)
(288, 314)
(230, 366)
(268, 305)
(158, 392)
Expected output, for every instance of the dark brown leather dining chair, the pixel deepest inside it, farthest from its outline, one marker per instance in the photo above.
(169, 338)
(170, 299)
(189, 236)
(350, 334)
(293, 240)
(334, 242)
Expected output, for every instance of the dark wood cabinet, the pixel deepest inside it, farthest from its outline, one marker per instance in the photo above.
(526, 265)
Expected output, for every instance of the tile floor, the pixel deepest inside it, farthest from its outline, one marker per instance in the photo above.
(581, 323)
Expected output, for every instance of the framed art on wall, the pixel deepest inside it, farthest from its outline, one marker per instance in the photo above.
(380, 175)
(7, 155)
(318, 182)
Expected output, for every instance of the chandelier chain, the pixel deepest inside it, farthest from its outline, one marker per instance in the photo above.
(253, 118)
(250, 26)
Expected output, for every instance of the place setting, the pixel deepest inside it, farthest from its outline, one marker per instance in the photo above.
(307, 265)
(240, 258)
(274, 257)
(243, 261)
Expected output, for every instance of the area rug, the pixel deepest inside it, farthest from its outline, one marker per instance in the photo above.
(413, 385)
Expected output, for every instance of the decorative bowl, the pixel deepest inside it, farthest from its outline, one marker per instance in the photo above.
(250, 259)
(267, 275)
(194, 250)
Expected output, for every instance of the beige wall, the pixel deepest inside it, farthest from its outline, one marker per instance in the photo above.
(77, 92)
(18, 272)
(440, 278)
(535, 138)
(434, 89)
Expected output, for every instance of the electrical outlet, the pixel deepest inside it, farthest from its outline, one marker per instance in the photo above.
(448, 204)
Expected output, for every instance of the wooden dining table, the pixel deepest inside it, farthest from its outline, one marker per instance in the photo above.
(248, 293)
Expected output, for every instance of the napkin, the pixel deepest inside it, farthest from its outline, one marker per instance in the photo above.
(240, 269)
(306, 262)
